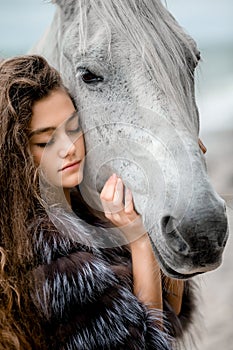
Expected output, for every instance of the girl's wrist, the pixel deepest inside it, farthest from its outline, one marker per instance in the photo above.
(142, 241)
(134, 230)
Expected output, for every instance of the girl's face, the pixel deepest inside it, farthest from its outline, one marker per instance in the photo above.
(56, 140)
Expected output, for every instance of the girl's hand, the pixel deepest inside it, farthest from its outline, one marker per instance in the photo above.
(121, 215)
(146, 271)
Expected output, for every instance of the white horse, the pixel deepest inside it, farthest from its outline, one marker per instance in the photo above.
(130, 67)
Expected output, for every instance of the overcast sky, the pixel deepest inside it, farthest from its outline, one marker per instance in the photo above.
(210, 21)
(23, 21)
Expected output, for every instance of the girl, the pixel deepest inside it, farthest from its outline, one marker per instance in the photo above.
(58, 293)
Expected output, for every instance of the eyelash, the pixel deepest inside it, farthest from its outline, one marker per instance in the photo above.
(50, 142)
(44, 144)
(75, 130)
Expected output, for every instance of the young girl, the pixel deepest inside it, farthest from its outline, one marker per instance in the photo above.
(57, 293)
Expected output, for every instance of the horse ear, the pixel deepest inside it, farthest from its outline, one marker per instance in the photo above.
(62, 2)
(58, 2)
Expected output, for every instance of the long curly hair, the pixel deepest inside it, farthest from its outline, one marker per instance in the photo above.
(23, 81)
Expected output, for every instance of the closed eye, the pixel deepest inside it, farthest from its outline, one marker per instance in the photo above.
(44, 144)
(74, 131)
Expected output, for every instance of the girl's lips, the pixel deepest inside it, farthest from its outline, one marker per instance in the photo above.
(71, 166)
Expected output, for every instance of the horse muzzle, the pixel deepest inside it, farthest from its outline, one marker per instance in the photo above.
(193, 245)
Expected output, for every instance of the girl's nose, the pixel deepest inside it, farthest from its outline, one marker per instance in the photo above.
(67, 148)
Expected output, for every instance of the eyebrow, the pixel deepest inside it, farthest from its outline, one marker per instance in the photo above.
(51, 128)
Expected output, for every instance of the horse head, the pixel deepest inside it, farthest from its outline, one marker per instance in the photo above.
(130, 67)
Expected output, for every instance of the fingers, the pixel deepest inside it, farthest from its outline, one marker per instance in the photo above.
(119, 193)
(123, 216)
(129, 206)
(112, 197)
(113, 191)
(108, 190)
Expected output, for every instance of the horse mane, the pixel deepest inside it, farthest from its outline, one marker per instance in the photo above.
(168, 53)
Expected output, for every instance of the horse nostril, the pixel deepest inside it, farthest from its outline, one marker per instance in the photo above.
(172, 236)
(166, 223)
(222, 238)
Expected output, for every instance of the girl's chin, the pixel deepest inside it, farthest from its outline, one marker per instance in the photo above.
(68, 187)
(72, 182)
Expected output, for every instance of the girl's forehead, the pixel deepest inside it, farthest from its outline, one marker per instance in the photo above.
(52, 111)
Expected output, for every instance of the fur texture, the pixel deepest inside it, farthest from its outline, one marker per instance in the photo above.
(81, 298)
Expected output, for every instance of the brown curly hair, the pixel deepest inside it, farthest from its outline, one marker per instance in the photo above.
(23, 81)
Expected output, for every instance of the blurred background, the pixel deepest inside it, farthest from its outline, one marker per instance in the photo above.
(210, 23)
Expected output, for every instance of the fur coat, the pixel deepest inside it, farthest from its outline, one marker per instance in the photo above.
(74, 297)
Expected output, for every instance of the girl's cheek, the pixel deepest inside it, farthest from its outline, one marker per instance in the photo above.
(46, 159)
(38, 157)
(43, 158)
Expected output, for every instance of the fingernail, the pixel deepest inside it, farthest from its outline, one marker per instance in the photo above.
(114, 176)
(128, 191)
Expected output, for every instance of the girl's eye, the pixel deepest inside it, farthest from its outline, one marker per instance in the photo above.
(73, 131)
(44, 144)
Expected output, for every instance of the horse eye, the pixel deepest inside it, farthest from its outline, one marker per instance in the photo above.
(89, 78)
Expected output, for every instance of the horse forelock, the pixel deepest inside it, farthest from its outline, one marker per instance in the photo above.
(165, 48)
